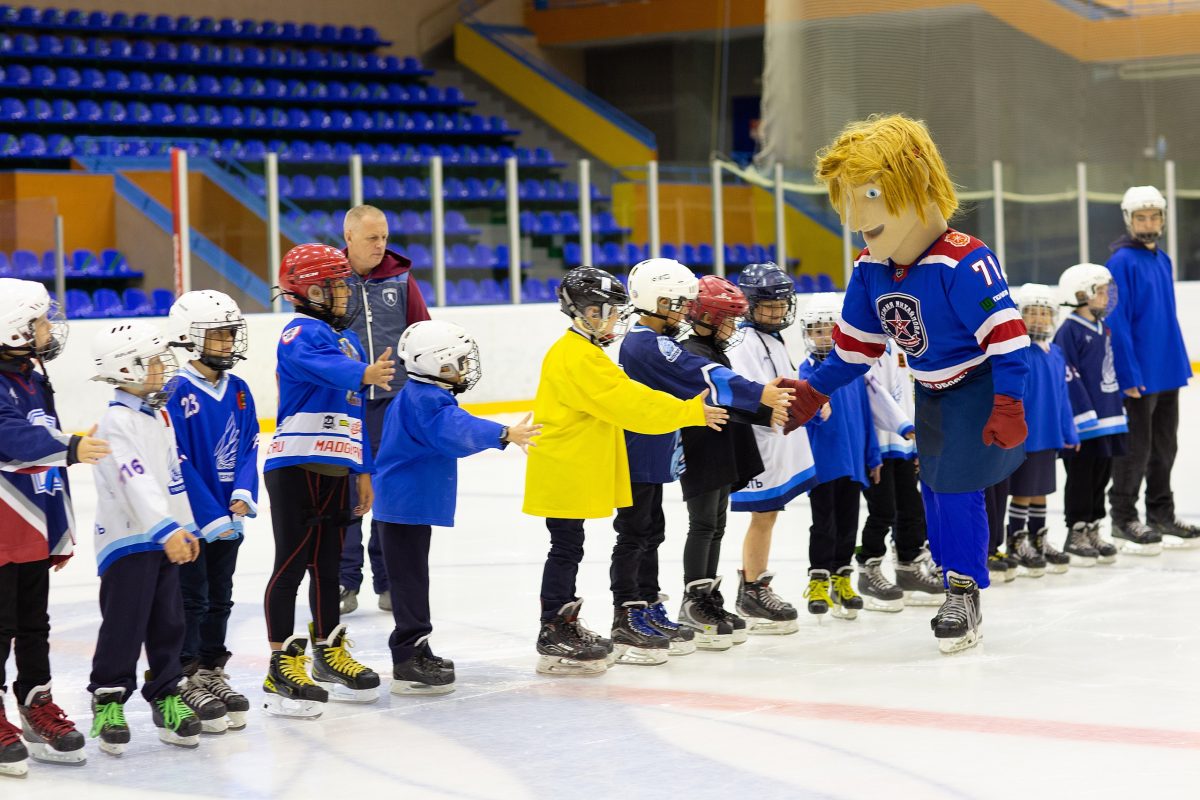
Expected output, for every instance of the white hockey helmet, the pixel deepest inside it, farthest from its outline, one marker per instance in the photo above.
(664, 278)
(194, 314)
(823, 310)
(1079, 284)
(135, 355)
(22, 303)
(1038, 304)
(426, 347)
(1142, 198)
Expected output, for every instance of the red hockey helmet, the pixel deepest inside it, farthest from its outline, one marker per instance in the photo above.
(319, 265)
(719, 300)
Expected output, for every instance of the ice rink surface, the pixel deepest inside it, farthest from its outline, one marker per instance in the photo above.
(1086, 685)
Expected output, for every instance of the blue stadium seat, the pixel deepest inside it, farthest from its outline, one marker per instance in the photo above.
(612, 255)
(572, 255)
(6, 268)
(459, 256)
(420, 256)
(548, 223)
(107, 303)
(136, 304)
(79, 305)
(33, 146)
(669, 251)
(825, 283)
(26, 263)
(485, 257)
(569, 223)
(704, 255)
(162, 300)
(83, 262)
(805, 284)
(529, 223)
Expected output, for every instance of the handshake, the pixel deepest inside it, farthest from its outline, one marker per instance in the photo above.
(793, 402)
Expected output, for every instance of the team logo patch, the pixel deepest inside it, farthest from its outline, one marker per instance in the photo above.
(957, 239)
(347, 349)
(241, 400)
(901, 318)
(290, 334)
(390, 295)
(670, 351)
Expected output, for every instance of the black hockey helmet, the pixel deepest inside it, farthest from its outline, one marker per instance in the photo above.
(588, 287)
(760, 282)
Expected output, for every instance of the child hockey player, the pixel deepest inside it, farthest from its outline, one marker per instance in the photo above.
(318, 444)
(36, 533)
(216, 431)
(1051, 428)
(718, 462)
(942, 297)
(424, 434)
(894, 504)
(579, 470)
(660, 291)
(848, 460)
(1096, 400)
(788, 468)
(144, 530)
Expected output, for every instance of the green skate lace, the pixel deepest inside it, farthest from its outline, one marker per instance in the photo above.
(842, 587)
(295, 669)
(339, 658)
(818, 590)
(174, 711)
(108, 714)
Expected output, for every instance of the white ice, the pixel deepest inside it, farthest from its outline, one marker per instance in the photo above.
(1086, 685)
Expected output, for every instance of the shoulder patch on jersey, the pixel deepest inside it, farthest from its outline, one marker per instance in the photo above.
(290, 334)
(957, 239)
(901, 317)
(669, 349)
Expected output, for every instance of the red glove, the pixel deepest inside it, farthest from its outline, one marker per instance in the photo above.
(806, 402)
(1006, 426)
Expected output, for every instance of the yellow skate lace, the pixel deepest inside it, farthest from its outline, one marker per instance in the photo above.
(108, 714)
(842, 587)
(339, 658)
(818, 590)
(174, 711)
(295, 669)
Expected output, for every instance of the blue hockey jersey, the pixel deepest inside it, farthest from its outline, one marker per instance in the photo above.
(320, 420)
(1147, 341)
(216, 432)
(1047, 407)
(36, 520)
(425, 432)
(658, 362)
(949, 312)
(1096, 398)
(845, 445)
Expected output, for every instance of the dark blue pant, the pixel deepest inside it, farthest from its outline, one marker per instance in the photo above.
(406, 551)
(562, 564)
(25, 624)
(207, 585)
(351, 573)
(640, 528)
(141, 606)
(957, 523)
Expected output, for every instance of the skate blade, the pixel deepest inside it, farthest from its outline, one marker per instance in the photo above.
(841, 612)
(640, 656)
(15, 769)
(1082, 561)
(1134, 549)
(1170, 542)
(713, 642)
(771, 627)
(278, 706)
(214, 727)
(951, 646)
(416, 688)
(112, 748)
(237, 720)
(877, 604)
(740, 635)
(1031, 572)
(566, 667)
(170, 737)
(45, 754)
(1057, 569)
(682, 647)
(344, 694)
(914, 598)
(1010, 575)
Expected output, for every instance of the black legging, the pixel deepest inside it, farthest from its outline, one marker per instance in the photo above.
(706, 529)
(309, 513)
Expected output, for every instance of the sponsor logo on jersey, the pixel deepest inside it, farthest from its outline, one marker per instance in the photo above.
(670, 351)
(390, 295)
(290, 334)
(355, 428)
(901, 318)
(957, 239)
(328, 423)
(988, 303)
(347, 349)
(241, 400)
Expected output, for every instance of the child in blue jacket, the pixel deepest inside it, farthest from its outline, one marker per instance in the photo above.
(424, 434)
(848, 460)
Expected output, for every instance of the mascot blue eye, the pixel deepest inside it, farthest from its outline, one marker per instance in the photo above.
(873, 193)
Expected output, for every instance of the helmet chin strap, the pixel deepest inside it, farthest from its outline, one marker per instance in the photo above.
(453, 388)
(1148, 237)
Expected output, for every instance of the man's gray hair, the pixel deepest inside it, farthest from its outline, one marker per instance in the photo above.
(356, 215)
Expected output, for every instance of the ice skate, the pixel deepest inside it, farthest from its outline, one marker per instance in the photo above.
(177, 724)
(683, 638)
(1178, 535)
(958, 623)
(713, 631)
(347, 601)
(1106, 551)
(1030, 563)
(423, 673)
(213, 716)
(49, 736)
(336, 671)
(1001, 568)
(817, 592)
(846, 601)
(1079, 546)
(634, 640)
(878, 593)
(1137, 539)
(385, 602)
(1056, 562)
(216, 681)
(108, 720)
(717, 600)
(290, 691)
(921, 581)
(14, 756)
(565, 647)
(765, 612)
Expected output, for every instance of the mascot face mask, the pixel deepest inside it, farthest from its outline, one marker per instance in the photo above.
(883, 231)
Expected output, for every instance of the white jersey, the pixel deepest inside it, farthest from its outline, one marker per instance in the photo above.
(789, 469)
(142, 500)
(890, 392)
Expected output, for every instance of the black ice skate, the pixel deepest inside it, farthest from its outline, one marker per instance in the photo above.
(177, 724)
(50, 737)
(846, 601)
(14, 757)
(213, 715)
(634, 640)
(1056, 562)
(817, 592)
(336, 671)
(347, 601)
(765, 612)
(108, 720)
(683, 638)
(1178, 535)
(1001, 567)
(214, 678)
(921, 581)
(1079, 546)
(1106, 551)
(1137, 539)
(565, 647)
(423, 673)
(740, 634)
(957, 625)
(713, 631)
(878, 593)
(290, 691)
(1030, 563)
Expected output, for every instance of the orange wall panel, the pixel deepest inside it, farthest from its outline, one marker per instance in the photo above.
(84, 201)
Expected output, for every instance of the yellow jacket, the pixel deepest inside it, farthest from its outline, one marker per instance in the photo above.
(585, 403)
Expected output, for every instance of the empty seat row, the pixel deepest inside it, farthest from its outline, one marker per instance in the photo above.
(406, 223)
(489, 291)
(329, 188)
(80, 264)
(566, 223)
(462, 256)
(294, 89)
(615, 255)
(184, 25)
(245, 57)
(104, 303)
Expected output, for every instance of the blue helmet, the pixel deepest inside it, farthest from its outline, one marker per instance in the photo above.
(761, 282)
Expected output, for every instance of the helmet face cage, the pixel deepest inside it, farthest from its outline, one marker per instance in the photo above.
(225, 358)
(762, 283)
(58, 333)
(774, 325)
(325, 310)
(1102, 311)
(818, 333)
(1041, 319)
(139, 374)
(470, 370)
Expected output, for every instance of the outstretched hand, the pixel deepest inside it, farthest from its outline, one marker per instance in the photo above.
(805, 404)
(381, 372)
(715, 417)
(523, 434)
(90, 449)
